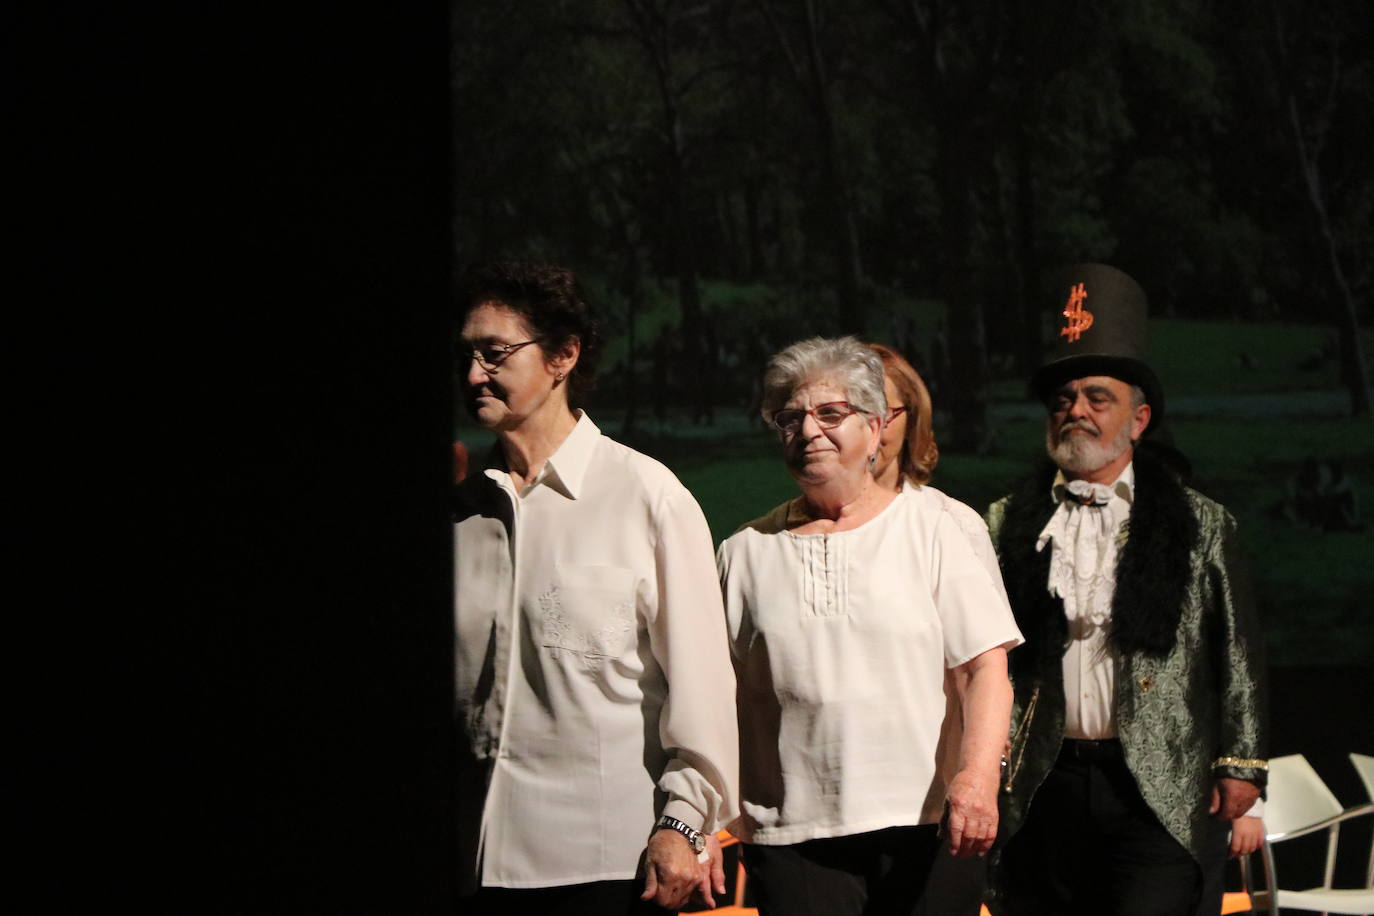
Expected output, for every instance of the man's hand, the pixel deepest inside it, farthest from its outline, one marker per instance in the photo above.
(671, 870)
(972, 823)
(1231, 798)
(1247, 835)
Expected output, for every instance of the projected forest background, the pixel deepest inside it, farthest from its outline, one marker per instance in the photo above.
(728, 176)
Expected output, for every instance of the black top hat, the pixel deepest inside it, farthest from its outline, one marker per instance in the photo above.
(1099, 330)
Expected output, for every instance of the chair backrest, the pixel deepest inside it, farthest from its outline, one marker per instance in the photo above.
(1364, 765)
(1297, 796)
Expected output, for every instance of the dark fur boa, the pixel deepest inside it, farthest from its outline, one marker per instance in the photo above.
(1151, 575)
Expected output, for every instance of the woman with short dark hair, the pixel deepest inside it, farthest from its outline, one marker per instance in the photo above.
(594, 690)
(907, 456)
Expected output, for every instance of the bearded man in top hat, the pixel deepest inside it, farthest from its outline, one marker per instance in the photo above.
(1138, 729)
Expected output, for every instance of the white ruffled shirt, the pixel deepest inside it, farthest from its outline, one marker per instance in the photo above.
(1084, 541)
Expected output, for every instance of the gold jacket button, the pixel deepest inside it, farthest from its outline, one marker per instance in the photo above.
(1146, 682)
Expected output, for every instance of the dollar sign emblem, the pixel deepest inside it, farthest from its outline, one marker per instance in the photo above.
(1079, 318)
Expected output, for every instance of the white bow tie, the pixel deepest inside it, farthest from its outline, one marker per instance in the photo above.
(1087, 494)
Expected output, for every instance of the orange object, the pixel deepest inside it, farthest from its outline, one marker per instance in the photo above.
(1079, 318)
(1235, 902)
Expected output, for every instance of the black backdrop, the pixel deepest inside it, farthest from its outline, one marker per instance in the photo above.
(230, 376)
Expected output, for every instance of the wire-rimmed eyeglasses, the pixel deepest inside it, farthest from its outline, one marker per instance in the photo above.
(829, 415)
(492, 356)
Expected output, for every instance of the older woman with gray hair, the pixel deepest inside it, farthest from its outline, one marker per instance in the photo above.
(846, 606)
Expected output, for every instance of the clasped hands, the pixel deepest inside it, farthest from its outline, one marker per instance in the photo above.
(673, 876)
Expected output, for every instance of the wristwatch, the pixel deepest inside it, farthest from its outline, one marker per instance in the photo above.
(695, 837)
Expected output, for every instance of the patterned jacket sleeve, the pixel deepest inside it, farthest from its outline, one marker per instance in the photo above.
(1244, 716)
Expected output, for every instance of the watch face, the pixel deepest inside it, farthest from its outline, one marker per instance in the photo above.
(695, 838)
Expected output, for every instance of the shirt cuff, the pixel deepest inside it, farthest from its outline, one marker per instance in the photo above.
(1251, 769)
(683, 811)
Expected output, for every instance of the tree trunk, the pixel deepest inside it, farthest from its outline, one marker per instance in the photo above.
(850, 310)
(1353, 374)
(837, 197)
(1352, 371)
(967, 392)
(754, 264)
(1028, 357)
(632, 287)
(652, 29)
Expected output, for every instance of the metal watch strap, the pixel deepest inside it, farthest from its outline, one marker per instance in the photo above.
(694, 836)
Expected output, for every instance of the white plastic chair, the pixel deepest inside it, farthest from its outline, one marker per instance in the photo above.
(1364, 765)
(1299, 803)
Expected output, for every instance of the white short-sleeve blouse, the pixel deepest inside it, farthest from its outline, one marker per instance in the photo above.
(841, 643)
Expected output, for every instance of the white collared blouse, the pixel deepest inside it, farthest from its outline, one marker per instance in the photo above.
(594, 685)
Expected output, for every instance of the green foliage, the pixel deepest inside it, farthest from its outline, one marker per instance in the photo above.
(657, 316)
(1218, 358)
(1311, 586)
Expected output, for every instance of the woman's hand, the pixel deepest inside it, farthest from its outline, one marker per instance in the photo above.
(985, 697)
(1247, 835)
(971, 825)
(712, 873)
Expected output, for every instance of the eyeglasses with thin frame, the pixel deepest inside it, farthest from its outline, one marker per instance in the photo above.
(829, 415)
(492, 356)
(895, 412)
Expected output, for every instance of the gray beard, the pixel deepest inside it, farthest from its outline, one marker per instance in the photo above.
(1086, 454)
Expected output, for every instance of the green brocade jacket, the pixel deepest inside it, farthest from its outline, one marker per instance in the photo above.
(1190, 705)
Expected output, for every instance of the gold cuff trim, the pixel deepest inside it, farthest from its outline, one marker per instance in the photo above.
(1250, 763)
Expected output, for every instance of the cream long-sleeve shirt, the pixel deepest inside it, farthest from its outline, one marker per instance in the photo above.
(594, 684)
(842, 641)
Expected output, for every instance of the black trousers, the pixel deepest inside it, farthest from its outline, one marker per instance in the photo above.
(956, 886)
(880, 873)
(595, 898)
(1091, 845)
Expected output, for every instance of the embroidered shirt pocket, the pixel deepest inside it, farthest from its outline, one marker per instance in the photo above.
(589, 611)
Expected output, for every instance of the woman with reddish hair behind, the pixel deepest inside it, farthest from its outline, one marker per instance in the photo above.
(908, 451)
(906, 458)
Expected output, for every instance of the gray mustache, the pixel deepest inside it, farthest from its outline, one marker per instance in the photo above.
(1079, 424)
